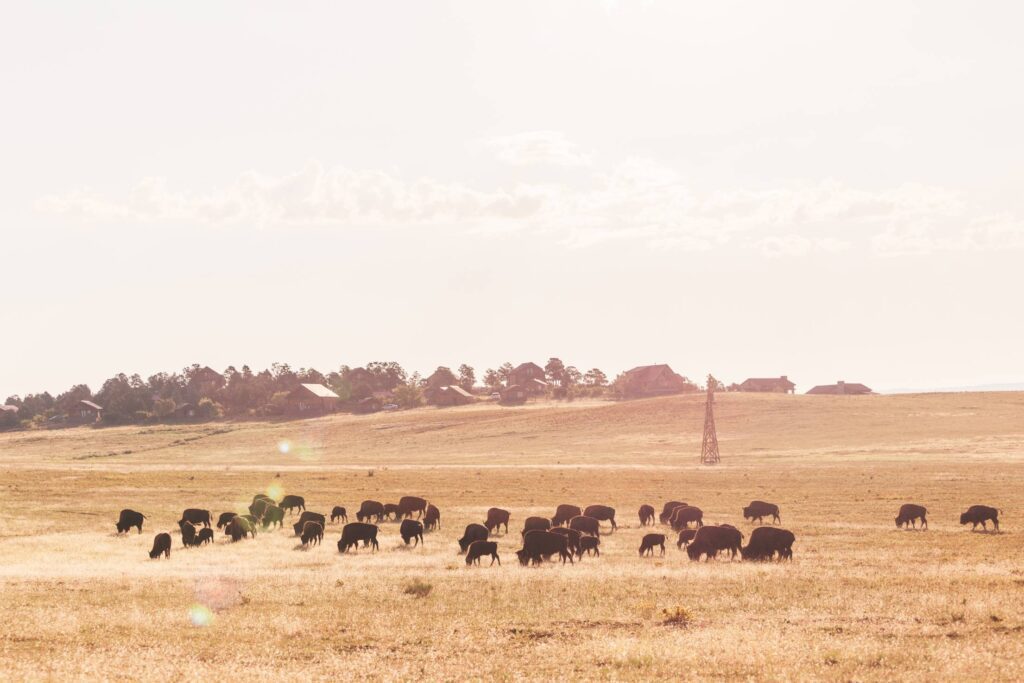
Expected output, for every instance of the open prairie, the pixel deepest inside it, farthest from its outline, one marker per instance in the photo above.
(861, 600)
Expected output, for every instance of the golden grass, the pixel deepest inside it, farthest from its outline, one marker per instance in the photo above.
(860, 601)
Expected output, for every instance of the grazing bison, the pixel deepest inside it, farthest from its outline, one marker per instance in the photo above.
(258, 507)
(710, 539)
(758, 509)
(370, 508)
(225, 518)
(573, 536)
(312, 533)
(538, 523)
(128, 519)
(263, 496)
(765, 541)
(540, 545)
(650, 541)
(496, 517)
(308, 516)
(601, 513)
(590, 544)
(685, 536)
(161, 545)
(980, 514)
(290, 503)
(196, 516)
(250, 523)
(473, 532)
(188, 534)
(681, 517)
(391, 511)
(563, 513)
(273, 515)
(339, 513)
(432, 520)
(410, 504)
(478, 549)
(646, 514)
(238, 528)
(411, 529)
(205, 536)
(909, 514)
(585, 525)
(353, 532)
(666, 511)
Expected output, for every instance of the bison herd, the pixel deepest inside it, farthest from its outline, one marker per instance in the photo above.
(569, 534)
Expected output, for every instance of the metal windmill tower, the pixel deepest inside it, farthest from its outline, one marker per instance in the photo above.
(709, 448)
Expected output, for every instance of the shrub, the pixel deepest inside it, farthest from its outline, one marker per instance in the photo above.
(418, 589)
(676, 616)
(209, 409)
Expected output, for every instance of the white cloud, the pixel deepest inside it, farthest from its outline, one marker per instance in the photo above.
(539, 147)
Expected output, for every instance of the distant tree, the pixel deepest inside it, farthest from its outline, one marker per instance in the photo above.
(163, 407)
(555, 371)
(505, 372)
(467, 377)
(69, 399)
(492, 380)
(408, 394)
(572, 376)
(387, 375)
(712, 382)
(208, 409)
(595, 378)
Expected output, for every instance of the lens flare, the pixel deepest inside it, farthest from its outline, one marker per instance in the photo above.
(275, 491)
(284, 447)
(200, 615)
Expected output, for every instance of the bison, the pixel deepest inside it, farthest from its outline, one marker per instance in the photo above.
(225, 518)
(666, 511)
(263, 496)
(650, 541)
(563, 513)
(250, 524)
(601, 513)
(196, 516)
(432, 520)
(128, 519)
(681, 517)
(258, 507)
(410, 504)
(205, 536)
(980, 514)
(473, 532)
(161, 545)
(411, 529)
(573, 536)
(339, 513)
(909, 514)
(765, 541)
(538, 523)
(496, 517)
(539, 545)
(308, 516)
(290, 503)
(758, 509)
(272, 515)
(710, 539)
(312, 533)
(188, 534)
(353, 532)
(370, 508)
(585, 525)
(238, 528)
(478, 549)
(590, 544)
(391, 511)
(646, 514)
(685, 536)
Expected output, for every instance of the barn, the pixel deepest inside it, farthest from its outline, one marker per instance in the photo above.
(841, 389)
(653, 380)
(772, 385)
(311, 399)
(84, 412)
(514, 394)
(206, 381)
(529, 377)
(451, 395)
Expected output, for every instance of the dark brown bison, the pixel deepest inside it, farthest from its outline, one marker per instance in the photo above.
(478, 549)
(909, 514)
(666, 511)
(225, 518)
(258, 506)
(238, 528)
(410, 529)
(601, 513)
(391, 511)
(585, 525)
(646, 514)
(273, 515)
(128, 519)
(189, 537)
(573, 536)
(432, 520)
(339, 513)
(370, 509)
(538, 523)
(353, 532)
(590, 544)
(161, 545)
(709, 540)
(263, 496)
(651, 541)
(758, 510)
(205, 536)
(196, 516)
(496, 517)
(308, 516)
(290, 503)
(473, 532)
(563, 513)
(681, 517)
(312, 533)
(540, 545)
(766, 541)
(410, 504)
(250, 523)
(685, 536)
(980, 514)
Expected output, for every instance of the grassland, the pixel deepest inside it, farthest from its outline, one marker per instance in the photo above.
(861, 600)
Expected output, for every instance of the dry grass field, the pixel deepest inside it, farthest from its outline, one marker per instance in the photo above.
(860, 601)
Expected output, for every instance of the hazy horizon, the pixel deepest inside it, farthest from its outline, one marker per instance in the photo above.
(829, 192)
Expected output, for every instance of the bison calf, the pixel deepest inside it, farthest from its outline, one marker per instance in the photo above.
(339, 513)
(432, 520)
(646, 514)
(478, 549)
(588, 545)
(411, 529)
(161, 545)
(312, 533)
(495, 518)
(650, 541)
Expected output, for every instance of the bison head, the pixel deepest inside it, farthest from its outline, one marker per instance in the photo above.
(524, 559)
(693, 551)
(964, 519)
(747, 514)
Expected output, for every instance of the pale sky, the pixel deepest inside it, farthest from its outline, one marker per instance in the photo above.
(825, 190)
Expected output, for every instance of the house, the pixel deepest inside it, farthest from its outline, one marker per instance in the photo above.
(311, 399)
(84, 412)
(529, 377)
(773, 385)
(206, 381)
(514, 394)
(186, 411)
(653, 380)
(841, 389)
(451, 395)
